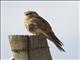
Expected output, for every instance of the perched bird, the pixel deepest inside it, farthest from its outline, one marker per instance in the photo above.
(37, 25)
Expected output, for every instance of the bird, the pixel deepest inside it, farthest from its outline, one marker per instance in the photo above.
(37, 25)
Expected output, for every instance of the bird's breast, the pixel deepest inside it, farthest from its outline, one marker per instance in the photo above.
(31, 26)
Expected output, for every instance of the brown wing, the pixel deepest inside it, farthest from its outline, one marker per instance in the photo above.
(44, 26)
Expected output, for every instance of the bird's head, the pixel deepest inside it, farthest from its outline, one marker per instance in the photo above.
(30, 14)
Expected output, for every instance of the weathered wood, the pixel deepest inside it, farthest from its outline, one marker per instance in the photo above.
(33, 47)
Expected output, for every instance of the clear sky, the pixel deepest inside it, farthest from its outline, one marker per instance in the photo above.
(62, 16)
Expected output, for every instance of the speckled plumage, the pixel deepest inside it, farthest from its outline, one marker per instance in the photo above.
(37, 25)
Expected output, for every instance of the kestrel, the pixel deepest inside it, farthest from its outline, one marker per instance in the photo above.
(38, 25)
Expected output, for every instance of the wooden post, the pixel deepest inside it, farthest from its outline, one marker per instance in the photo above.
(33, 47)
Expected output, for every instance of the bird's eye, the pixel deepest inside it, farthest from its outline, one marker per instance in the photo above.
(30, 13)
(27, 14)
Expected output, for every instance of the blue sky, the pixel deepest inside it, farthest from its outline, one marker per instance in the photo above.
(62, 16)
